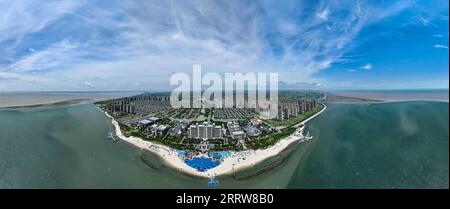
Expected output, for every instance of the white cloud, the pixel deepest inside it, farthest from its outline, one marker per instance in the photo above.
(367, 66)
(89, 84)
(440, 46)
(21, 17)
(142, 47)
(22, 77)
(56, 55)
(424, 21)
(323, 15)
(301, 85)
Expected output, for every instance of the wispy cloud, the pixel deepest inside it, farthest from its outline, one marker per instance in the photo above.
(438, 36)
(323, 15)
(301, 85)
(89, 84)
(139, 44)
(440, 46)
(367, 66)
(22, 17)
(58, 55)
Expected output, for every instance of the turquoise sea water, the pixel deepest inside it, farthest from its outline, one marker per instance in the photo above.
(392, 145)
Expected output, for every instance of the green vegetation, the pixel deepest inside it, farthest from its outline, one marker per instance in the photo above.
(272, 139)
(207, 111)
(128, 131)
(301, 95)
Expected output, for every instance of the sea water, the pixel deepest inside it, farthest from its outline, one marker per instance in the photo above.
(391, 145)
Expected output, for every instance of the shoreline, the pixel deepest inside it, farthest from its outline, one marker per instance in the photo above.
(237, 161)
(18, 100)
(388, 101)
(370, 98)
(52, 104)
(167, 154)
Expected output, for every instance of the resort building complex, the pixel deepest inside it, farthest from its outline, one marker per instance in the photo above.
(205, 131)
(150, 116)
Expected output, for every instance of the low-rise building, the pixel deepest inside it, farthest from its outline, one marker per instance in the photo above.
(238, 135)
(252, 130)
(161, 129)
(144, 123)
(235, 130)
(153, 119)
(153, 128)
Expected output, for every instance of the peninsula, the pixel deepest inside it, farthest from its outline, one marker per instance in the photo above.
(207, 142)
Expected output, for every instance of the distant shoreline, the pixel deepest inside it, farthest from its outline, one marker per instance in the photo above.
(52, 104)
(387, 101)
(380, 96)
(332, 98)
(21, 99)
(349, 99)
(341, 100)
(54, 99)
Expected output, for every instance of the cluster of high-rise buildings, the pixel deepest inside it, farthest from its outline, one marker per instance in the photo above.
(140, 104)
(122, 106)
(148, 96)
(145, 104)
(289, 109)
(205, 131)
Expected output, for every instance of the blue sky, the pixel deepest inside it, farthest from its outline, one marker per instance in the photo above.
(136, 45)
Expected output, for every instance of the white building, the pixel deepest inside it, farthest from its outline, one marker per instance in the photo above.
(205, 131)
(238, 135)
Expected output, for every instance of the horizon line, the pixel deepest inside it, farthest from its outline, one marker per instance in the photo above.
(158, 91)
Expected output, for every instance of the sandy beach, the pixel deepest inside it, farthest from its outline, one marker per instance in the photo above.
(237, 160)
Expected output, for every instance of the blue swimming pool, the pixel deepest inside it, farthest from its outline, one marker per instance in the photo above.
(221, 155)
(202, 163)
(180, 154)
(216, 155)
